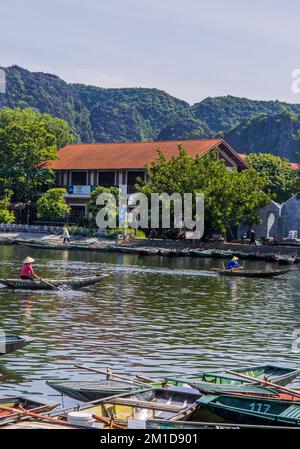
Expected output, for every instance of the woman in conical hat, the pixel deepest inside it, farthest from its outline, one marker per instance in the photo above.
(27, 272)
(233, 264)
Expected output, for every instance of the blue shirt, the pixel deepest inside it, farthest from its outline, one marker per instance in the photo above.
(233, 264)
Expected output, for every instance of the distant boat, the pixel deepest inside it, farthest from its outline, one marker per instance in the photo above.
(10, 343)
(254, 273)
(287, 259)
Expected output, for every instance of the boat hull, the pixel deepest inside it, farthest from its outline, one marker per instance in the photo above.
(75, 283)
(252, 410)
(91, 391)
(255, 273)
(11, 343)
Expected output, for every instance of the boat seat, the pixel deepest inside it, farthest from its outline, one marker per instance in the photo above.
(292, 412)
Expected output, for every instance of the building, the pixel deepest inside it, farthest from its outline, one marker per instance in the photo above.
(80, 167)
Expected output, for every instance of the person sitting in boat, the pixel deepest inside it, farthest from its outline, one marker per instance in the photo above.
(233, 264)
(27, 272)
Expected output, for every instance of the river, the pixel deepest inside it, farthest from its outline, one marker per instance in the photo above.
(151, 315)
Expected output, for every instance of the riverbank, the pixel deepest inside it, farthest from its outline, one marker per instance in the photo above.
(164, 248)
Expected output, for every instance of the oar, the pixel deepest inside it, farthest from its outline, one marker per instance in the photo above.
(266, 383)
(25, 413)
(109, 373)
(118, 378)
(53, 287)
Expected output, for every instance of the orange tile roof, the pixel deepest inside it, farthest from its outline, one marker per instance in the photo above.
(128, 154)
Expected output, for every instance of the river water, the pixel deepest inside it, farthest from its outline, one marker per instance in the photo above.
(151, 315)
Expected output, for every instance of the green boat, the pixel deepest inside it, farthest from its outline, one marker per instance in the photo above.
(252, 410)
(92, 390)
(190, 425)
(279, 375)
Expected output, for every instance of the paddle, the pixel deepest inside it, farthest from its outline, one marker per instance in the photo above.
(18, 412)
(266, 383)
(118, 378)
(53, 287)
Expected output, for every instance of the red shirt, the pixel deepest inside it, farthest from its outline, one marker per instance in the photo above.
(27, 270)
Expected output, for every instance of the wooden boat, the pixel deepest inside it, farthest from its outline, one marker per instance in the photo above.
(203, 253)
(252, 410)
(62, 247)
(92, 390)
(278, 375)
(174, 404)
(189, 425)
(35, 425)
(222, 254)
(254, 273)
(34, 404)
(287, 259)
(72, 283)
(10, 343)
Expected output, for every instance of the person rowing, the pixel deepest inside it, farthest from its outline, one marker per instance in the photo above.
(233, 264)
(27, 271)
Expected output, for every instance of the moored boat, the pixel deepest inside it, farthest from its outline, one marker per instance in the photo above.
(32, 403)
(286, 259)
(49, 284)
(121, 411)
(93, 390)
(11, 343)
(279, 375)
(252, 410)
(189, 425)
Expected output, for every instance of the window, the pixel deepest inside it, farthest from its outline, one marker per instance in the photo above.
(79, 178)
(106, 178)
(132, 177)
(58, 178)
(77, 212)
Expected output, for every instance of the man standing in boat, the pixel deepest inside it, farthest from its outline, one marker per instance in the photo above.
(233, 264)
(27, 271)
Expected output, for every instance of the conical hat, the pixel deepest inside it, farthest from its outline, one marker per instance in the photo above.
(235, 258)
(28, 260)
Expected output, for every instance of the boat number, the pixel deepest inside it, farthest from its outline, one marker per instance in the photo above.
(259, 407)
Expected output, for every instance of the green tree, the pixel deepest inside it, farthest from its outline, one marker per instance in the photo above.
(230, 197)
(93, 208)
(28, 140)
(281, 180)
(52, 206)
(6, 216)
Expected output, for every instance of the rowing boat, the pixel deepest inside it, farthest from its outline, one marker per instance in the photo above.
(178, 404)
(72, 283)
(254, 273)
(189, 425)
(217, 381)
(92, 390)
(34, 404)
(10, 343)
(278, 375)
(287, 259)
(252, 410)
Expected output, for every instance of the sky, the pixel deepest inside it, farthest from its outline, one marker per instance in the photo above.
(192, 49)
